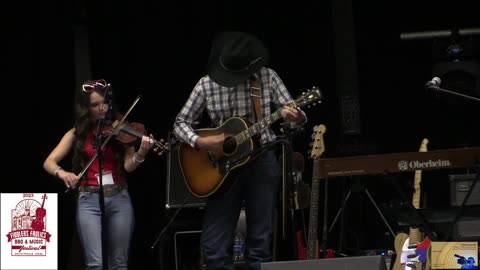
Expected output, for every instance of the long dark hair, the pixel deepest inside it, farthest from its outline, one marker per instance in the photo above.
(83, 124)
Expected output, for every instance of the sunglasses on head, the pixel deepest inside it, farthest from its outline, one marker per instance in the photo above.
(89, 87)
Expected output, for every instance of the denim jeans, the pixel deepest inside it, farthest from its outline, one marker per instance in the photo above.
(255, 188)
(119, 223)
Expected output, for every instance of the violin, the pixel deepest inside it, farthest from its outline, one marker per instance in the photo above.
(129, 133)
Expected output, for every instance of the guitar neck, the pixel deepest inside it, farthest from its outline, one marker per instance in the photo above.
(305, 99)
(415, 236)
(317, 150)
(416, 192)
(257, 127)
(313, 220)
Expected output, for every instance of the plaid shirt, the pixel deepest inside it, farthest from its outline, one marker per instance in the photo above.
(222, 103)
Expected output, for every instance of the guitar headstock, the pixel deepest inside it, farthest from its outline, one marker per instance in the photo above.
(310, 97)
(318, 146)
(423, 146)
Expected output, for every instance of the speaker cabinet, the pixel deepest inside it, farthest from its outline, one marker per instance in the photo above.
(188, 253)
(177, 190)
(348, 263)
(460, 185)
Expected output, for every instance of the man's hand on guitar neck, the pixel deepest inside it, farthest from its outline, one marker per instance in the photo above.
(293, 115)
(211, 143)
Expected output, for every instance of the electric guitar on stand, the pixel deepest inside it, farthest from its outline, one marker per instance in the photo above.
(311, 251)
(409, 248)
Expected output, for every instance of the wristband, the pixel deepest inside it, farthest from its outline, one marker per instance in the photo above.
(55, 172)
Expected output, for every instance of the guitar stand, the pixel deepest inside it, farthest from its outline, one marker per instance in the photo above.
(357, 187)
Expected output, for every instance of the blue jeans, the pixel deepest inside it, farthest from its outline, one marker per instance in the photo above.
(256, 188)
(119, 223)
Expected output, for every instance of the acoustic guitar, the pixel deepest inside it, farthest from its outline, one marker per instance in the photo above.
(407, 257)
(311, 251)
(206, 172)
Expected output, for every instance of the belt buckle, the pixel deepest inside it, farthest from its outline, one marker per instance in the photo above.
(111, 190)
(108, 191)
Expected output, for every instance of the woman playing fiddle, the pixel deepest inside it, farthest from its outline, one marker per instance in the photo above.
(118, 159)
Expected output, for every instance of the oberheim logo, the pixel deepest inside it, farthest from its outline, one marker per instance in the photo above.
(415, 164)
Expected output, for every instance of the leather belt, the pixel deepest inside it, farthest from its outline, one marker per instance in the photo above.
(108, 190)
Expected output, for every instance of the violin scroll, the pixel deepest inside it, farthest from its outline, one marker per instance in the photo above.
(160, 146)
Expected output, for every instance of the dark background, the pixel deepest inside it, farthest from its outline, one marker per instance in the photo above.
(159, 49)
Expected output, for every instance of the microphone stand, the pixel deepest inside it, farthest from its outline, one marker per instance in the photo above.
(436, 88)
(462, 207)
(101, 198)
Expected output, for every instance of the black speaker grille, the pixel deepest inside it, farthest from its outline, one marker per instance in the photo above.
(177, 190)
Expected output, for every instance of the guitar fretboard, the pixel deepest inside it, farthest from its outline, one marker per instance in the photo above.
(313, 221)
(305, 99)
(257, 127)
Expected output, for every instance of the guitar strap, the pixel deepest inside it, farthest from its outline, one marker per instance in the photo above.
(255, 94)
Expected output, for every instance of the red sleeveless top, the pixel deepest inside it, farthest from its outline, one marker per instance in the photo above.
(109, 165)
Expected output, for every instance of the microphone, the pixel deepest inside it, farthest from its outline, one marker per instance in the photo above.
(107, 99)
(435, 82)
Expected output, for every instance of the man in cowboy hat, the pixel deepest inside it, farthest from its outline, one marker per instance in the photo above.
(236, 76)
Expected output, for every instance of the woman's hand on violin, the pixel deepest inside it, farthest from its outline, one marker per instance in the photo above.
(146, 145)
(70, 179)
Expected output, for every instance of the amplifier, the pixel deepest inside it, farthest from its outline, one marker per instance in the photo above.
(459, 187)
(177, 190)
(466, 229)
(188, 253)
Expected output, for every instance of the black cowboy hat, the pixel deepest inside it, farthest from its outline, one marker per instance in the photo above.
(235, 56)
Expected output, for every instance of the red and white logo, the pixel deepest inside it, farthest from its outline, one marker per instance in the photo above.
(29, 225)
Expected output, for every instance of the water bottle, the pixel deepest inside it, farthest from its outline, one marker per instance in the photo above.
(238, 247)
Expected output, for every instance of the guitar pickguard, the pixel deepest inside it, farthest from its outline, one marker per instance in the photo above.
(408, 256)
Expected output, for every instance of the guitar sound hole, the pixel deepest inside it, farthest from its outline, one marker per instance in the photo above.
(229, 146)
